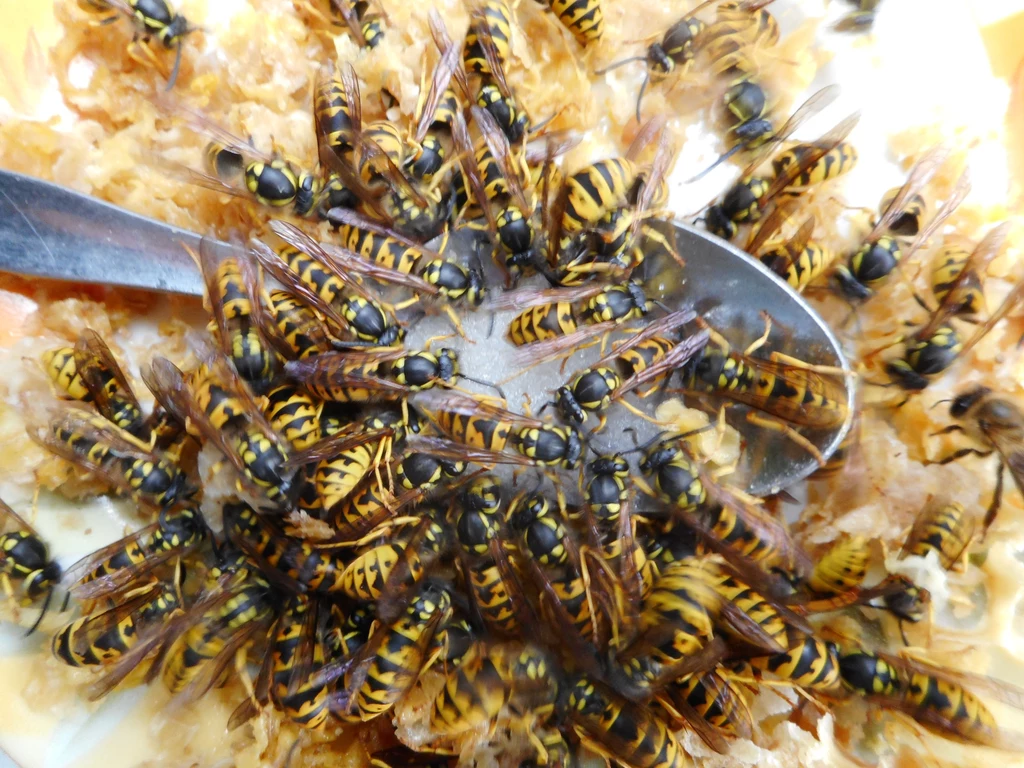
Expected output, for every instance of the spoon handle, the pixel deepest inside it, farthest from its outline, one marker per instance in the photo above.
(49, 231)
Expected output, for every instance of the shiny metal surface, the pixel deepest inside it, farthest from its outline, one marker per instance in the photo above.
(49, 231)
(52, 232)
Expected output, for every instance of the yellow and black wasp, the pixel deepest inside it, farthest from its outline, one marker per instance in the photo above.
(193, 649)
(235, 167)
(601, 208)
(304, 566)
(371, 504)
(386, 567)
(596, 388)
(792, 170)
(365, 22)
(935, 347)
(89, 372)
(552, 313)
(480, 432)
(497, 596)
(936, 698)
(369, 161)
(799, 260)
(789, 392)
(583, 18)
(349, 308)
(728, 521)
(25, 562)
(150, 19)
(496, 181)
(117, 566)
(379, 673)
(389, 250)
(437, 278)
(810, 663)
(130, 466)
(103, 636)
(233, 297)
(219, 409)
(882, 251)
(431, 141)
(621, 730)
(713, 705)
(496, 679)
(672, 54)
(944, 529)
(740, 27)
(341, 461)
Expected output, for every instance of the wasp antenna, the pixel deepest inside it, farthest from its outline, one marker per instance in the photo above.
(39, 618)
(487, 384)
(721, 159)
(177, 64)
(640, 96)
(940, 402)
(619, 63)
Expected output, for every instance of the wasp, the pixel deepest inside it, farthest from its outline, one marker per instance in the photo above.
(583, 18)
(297, 650)
(602, 208)
(389, 250)
(799, 260)
(497, 180)
(713, 705)
(366, 25)
(934, 697)
(431, 142)
(882, 252)
(302, 565)
(482, 431)
(24, 559)
(497, 596)
(368, 161)
(272, 180)
(118, 457)
(996, 425)
(491, 678)
(553, 313)
(370, 504)
(347, 306)
(295, 330)
(438, 278)
(113, 568)
(936, 346)
(384, 569)
(673, 53)
(217, 405)
(738, 27)
(729, 521)
(232, 297)
(90, 373)
(810, 663)
(748, 198)
(600, 385)
(619, 729)
(103, 637)
(340, 462)
(379, 674)
(842, 568)
(294, 415)
(789, 391)
(948, 267)
(675, 633)
(943, 529)
(150, 19)
(193, 648)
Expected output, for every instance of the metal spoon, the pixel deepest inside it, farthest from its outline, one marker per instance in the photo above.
(49, 231)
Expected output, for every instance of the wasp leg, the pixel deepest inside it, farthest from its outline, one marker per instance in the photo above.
(997, 500)
(140, 52)
(789, 432)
